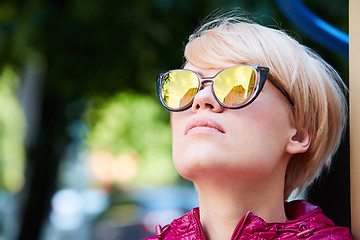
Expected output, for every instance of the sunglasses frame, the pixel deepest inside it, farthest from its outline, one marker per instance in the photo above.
(262, 73)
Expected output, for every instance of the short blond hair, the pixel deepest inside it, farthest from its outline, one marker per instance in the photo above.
(316, 88)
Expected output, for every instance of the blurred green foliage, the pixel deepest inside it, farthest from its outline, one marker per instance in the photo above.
(128, 123)
(12, 133)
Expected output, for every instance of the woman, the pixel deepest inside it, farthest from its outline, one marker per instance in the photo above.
(255, 115)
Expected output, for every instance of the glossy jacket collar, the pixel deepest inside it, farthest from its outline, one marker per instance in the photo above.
(306, 221)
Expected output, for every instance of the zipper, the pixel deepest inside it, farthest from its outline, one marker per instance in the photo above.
(239, 228)
(198, 224)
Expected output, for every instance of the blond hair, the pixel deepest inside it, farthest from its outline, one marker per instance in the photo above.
(316, 88)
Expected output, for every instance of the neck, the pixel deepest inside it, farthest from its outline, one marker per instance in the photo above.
(223, 202)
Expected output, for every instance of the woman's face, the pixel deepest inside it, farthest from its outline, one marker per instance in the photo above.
(250, 142)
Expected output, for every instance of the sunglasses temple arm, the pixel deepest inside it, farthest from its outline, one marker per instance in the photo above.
(281, 88)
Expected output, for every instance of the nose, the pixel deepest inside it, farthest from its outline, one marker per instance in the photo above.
(205, 99)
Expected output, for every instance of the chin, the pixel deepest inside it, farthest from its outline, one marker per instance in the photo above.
(193, 167)
(209, 167)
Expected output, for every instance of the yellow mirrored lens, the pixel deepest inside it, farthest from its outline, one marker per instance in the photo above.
(179, 88)
(235, 85)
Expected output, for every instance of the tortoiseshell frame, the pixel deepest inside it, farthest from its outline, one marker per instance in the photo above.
(262, 73)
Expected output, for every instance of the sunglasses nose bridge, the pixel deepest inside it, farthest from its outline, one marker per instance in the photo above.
(206, 81)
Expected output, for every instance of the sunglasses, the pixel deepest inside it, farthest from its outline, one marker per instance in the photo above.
(233, 87)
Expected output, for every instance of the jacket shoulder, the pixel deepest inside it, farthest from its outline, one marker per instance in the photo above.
(334, 233)
(321, 226)
(313, 223)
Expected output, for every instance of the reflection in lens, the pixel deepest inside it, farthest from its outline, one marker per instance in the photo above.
(179, 88)
(235, 85)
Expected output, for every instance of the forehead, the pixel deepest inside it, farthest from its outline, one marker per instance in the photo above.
(208, 71)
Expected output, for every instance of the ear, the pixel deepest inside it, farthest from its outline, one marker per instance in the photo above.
(299, 142)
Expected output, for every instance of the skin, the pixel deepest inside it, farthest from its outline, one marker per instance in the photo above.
(236, 157)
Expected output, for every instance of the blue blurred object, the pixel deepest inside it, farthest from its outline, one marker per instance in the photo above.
(133, 214)
(314, 27)
(154, 198)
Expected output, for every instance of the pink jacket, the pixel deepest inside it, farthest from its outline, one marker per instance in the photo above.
(307, 222)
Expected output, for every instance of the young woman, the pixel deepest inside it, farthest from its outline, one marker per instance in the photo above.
(255, 115)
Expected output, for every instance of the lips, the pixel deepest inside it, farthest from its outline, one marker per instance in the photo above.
(203, 124)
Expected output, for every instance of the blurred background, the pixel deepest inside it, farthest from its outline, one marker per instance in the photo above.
(85, 147)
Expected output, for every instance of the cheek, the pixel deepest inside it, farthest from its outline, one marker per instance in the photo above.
(270, 118)
(259, 140)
